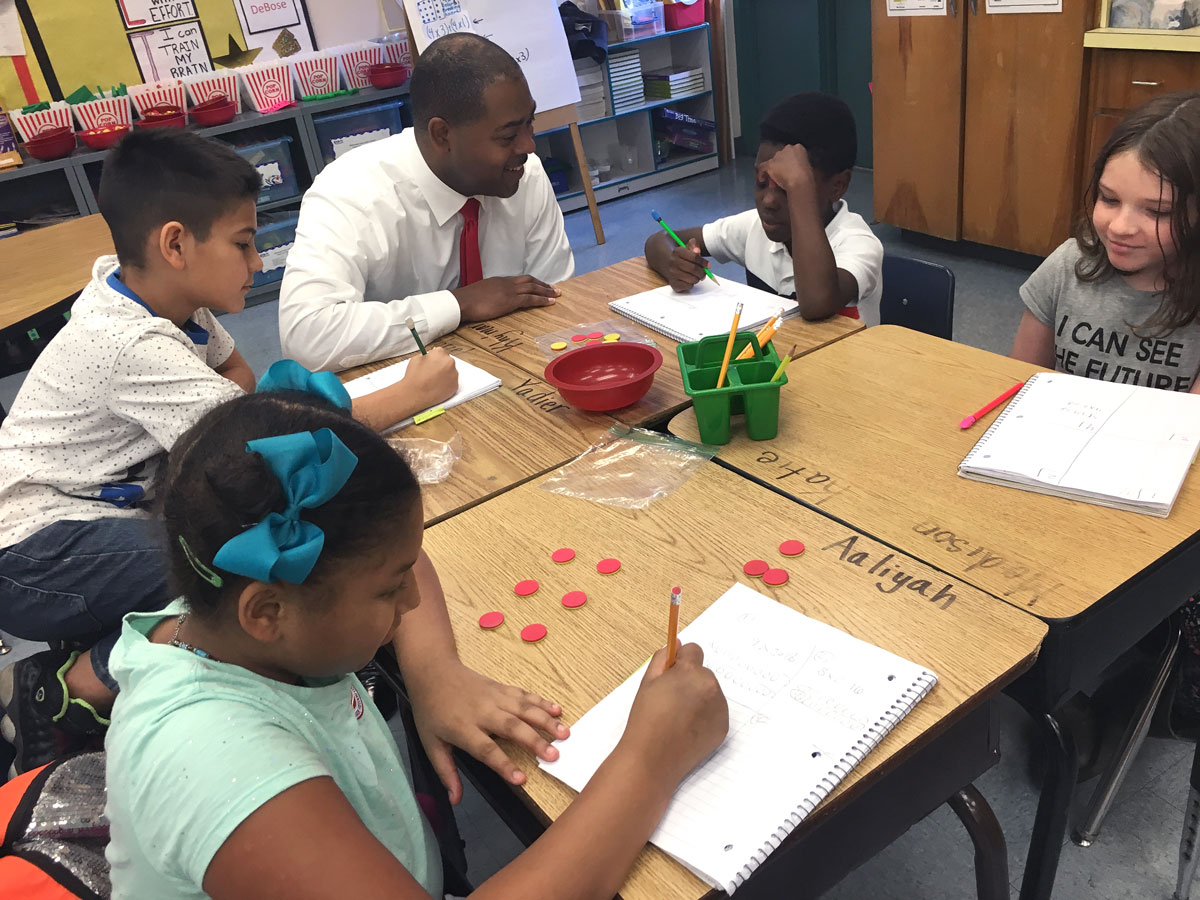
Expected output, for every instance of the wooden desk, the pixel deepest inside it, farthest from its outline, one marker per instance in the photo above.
(49, 265)
(483, 552)
(508, 436)
(869, 435)
(585, 300)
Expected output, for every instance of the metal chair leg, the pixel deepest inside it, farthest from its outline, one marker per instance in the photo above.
(1131, 743)
(991, 852)
(4, 648)
(1191, 833)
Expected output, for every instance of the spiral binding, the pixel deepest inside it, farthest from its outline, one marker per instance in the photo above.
(652, 324)
(999, 421)
(901, 707)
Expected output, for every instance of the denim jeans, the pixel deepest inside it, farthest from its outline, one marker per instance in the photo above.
(75, 581)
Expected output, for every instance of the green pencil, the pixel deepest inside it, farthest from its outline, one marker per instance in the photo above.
(659, 220)
(416, 337)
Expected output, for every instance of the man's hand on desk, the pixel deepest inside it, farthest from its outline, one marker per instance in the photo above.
(495, 297)
(455, 706)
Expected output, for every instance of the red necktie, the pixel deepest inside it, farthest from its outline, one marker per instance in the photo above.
(470, 267)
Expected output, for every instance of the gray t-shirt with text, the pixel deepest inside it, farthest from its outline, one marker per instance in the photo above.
(1098, 329)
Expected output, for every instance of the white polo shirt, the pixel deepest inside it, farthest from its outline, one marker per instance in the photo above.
(378, 242)
(110, 393)
(741, 239)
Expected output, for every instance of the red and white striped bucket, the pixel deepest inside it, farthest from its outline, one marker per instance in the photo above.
(203, 87)
(159, 93)
(355, 62)
(396, 50)
(32, 124)
(316, 74)
(107, 112)
(269, 86)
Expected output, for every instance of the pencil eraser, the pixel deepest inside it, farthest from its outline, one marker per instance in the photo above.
(967, 422)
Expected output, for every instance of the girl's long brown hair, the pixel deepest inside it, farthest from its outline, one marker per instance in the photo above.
(1165, 134)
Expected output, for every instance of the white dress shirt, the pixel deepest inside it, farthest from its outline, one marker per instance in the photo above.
(378, 241)
(741, 239)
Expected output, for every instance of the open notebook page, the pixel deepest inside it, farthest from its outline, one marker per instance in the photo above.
(705, 310)
(1093, 438)
(472, 382)
(802, 696)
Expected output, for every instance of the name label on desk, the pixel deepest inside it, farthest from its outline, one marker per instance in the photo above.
(815, 486)
(539, 395)
(976, 556)
(884, 568)
(502, 338)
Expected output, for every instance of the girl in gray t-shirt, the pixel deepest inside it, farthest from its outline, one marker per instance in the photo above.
(1119, 301)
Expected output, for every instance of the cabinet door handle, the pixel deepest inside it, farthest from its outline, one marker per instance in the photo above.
(1147, 83)
(974, 8)
(953, 9)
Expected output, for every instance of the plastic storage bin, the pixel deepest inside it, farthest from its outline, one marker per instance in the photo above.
(275, 237)
(748, 388)
(340, 132)
(641, 21)
(273, 159)
(684, 14)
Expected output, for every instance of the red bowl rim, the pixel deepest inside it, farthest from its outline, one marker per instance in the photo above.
(216, 101)
(655, 356)
(386, 67)
(162, 111)
(51, 134)
(104, 130)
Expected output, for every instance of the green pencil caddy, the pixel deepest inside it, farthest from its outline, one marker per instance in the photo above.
(748, 389)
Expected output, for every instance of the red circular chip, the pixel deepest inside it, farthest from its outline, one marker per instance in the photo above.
(791, 548)
(756, 568)
(531, 634)
(775, 577)
(608, 566)
(562, 555)
(595, 335)
(491, 620)
(525, 588)
(574, 599)
(579, 338)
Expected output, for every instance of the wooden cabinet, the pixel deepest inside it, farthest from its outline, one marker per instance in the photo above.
(977, 123)
(1122, 80)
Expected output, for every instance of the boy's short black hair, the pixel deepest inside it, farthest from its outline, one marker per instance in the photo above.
(821, 122)
(159, 175)
(450, 77)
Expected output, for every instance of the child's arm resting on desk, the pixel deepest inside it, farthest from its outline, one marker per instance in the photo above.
(822, 288)
(237, 370)
(683, 267)
(427, 381)
(307, 843)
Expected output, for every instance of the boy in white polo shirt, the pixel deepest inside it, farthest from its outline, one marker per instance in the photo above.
(801, 240)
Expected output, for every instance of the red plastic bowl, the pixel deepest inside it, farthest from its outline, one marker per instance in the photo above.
(53, 144)
(387, 75)
(604, 377)
(176, 121)
(103, 138)
(217, 110)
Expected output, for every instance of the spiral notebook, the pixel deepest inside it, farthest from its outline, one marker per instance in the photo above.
(1116, 445)
(705, 310)
(807, 703)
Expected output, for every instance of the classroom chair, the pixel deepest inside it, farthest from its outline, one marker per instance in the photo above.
(917, 294)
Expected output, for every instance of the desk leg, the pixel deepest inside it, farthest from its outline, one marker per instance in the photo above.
(1050, 826)
(991, 852)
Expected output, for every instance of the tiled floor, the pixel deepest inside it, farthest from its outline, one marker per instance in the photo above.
(1135, 857)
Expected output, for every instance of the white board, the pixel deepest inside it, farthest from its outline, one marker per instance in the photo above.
(530, 30)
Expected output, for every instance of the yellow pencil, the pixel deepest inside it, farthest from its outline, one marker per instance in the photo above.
(737, 317)
(673, 625)
(767, 332)
(783, 363)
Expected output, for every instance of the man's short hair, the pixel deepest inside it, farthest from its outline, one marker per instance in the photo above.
(450, 77)
(821, 122)
(159, 175)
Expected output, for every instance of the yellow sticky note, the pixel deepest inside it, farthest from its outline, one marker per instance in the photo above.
(428, 414)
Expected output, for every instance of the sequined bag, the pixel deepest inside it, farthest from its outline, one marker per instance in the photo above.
(55, 832)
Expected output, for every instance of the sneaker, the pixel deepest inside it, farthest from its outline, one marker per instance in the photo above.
(40, 721)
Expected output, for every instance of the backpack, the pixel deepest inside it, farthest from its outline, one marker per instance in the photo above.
(55, 832)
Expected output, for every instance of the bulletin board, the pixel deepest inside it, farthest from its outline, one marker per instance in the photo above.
(101, 43)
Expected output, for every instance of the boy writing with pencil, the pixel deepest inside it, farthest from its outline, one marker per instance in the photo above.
(801, 240)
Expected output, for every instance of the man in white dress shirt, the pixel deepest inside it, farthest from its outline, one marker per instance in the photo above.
(453, 220)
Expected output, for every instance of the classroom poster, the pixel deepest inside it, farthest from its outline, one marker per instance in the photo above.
(531, 30)
(276, 28)
(11, 43)
(916, 7)
(176, 51)
(143, 13)
(1024, 6)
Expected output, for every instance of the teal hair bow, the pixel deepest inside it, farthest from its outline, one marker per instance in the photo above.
(312, 467)
(289, 375)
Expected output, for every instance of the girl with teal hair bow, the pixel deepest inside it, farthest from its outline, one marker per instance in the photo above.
(244, 757)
